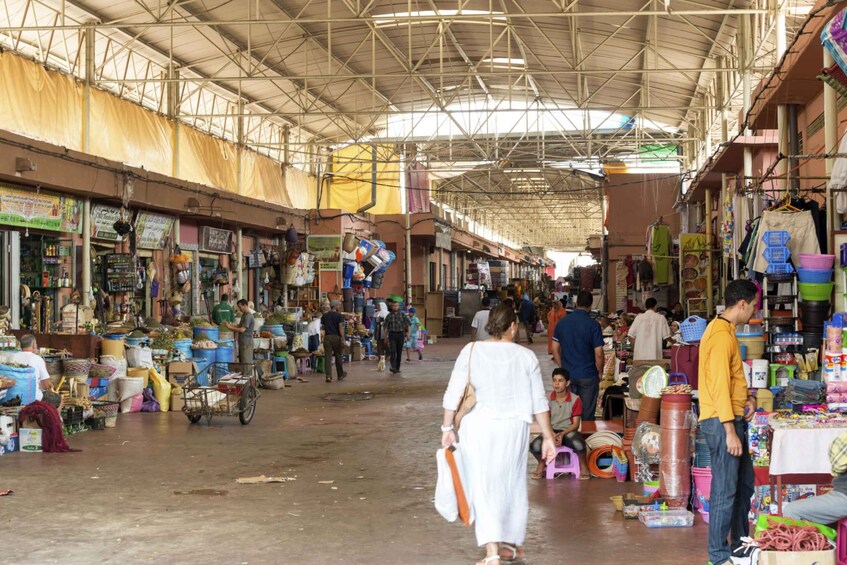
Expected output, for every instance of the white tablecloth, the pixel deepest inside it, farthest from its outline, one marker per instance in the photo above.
(802, 451)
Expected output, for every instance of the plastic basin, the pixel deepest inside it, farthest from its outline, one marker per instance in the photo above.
(814, 275)
(702, 480)
(817, 292)
(816, 261)
(211, 332)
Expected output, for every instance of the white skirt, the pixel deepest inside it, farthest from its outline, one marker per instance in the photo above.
(495, 456)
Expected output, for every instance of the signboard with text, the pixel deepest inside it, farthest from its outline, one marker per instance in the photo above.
(327, 251)
(152, 230)
(215, 240)
(103, 219)
(37, 209)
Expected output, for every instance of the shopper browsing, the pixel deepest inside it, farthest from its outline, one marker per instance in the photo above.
(565, 417)
(725, 409)
(647, 333)
(223, 312)
(245, 331)
(578, 348)
(528, 317)
(397, 326)
(29, 356)
(480, 320)
(831, 507)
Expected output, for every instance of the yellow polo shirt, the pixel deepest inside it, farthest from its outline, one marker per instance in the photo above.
(723, 389)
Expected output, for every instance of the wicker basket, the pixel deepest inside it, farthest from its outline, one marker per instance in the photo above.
(54, 367)
(105, 406)
(101, 371)
(76, 368)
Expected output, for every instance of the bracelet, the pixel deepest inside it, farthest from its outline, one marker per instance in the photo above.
(447, 428)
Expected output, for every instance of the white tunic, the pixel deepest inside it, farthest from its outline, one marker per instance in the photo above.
(649, 329)
(494, 436)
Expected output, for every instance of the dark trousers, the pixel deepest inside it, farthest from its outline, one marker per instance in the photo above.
(333, 347)
(588, 391)
(572, 440)
(395, 342)
(733, 483)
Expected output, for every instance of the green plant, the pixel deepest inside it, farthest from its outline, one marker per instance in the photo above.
(275, 320)
(201, 337)
(201, 323)
(163, 341)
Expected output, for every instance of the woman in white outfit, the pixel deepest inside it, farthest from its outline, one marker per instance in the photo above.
(494, 436)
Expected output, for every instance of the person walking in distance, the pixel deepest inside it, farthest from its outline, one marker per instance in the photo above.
(648, 331)
(578, 348)
(333, 323)
(397, 324)
(480, 320)
(725, 408)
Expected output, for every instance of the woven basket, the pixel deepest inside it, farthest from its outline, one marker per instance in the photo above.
(106, 406)
(76, 368)
(54, 367)
(101, 371)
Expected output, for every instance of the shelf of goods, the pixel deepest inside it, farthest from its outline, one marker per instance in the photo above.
(305, 297)
(118, 273)
(780, 325)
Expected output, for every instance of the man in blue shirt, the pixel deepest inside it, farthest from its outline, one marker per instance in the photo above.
(578, 348)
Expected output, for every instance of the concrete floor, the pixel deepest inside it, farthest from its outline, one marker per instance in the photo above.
(158, 489)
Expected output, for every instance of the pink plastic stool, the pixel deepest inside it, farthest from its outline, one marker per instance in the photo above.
(841, 542)
(570, 465)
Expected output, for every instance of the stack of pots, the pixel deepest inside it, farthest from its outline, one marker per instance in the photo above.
(815, 275)
(675, 466)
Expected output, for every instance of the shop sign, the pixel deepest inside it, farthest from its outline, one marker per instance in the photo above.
(103, 220)
(28, 208)
(215, 240)
(443, 237)
(327, 251)
(152, 230)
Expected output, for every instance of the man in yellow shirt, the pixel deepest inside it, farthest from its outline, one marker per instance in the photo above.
(725, 408)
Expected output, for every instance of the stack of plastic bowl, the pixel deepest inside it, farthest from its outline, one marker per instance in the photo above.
(815, 275)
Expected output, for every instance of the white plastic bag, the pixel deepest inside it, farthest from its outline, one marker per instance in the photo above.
(445, 493)
(139, 357)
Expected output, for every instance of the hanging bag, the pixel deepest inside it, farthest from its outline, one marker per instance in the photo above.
(468, 397)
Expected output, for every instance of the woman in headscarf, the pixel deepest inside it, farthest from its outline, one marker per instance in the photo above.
(556, 313)
(380, 335)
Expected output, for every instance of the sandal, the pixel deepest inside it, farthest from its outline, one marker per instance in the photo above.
(536, 476)
(517, 553)
(584, 477)
(488, 560)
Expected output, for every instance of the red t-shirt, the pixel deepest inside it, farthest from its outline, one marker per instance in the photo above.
(563, 413)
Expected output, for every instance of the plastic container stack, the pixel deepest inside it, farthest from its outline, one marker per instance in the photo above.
(776, 253)
(815, 275)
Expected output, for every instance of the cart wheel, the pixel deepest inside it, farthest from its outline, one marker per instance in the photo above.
(247, 405)
(194, 418)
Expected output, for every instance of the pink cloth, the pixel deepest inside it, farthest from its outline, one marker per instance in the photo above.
(417, 187)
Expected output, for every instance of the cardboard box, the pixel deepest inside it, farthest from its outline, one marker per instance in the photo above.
(177, 401)
(179, 372)
(797, 557)
(30, 440)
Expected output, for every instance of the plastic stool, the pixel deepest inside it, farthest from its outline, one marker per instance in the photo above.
(677, 379)
(281, 360)
(319, 364)
(304, 365)
(570, 466)
(841, 542)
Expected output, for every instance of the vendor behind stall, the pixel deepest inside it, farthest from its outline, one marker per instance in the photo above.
(244, 331)
(223, 312)
(831, 507)
(28, 356)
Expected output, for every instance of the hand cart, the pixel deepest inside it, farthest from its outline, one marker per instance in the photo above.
(232, 391)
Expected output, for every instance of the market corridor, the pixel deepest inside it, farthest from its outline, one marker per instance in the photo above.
(158, 489)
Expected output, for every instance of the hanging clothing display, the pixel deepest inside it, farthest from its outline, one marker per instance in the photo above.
(660, 250)
(838, 178)
(728, 226)
(645, 274)
(799, 225)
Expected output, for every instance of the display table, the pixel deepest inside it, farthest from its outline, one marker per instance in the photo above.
(80, 346)
(800, 455)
